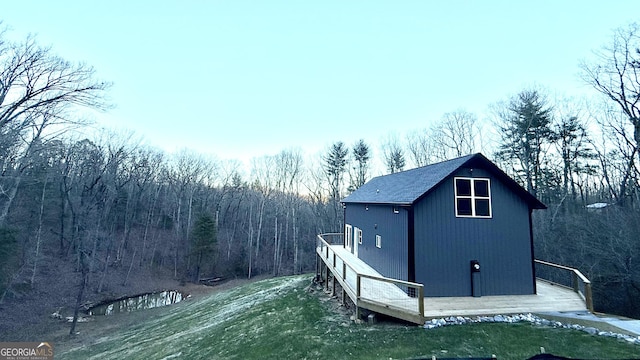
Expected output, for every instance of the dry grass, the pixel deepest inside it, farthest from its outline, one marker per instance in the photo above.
(280, 318)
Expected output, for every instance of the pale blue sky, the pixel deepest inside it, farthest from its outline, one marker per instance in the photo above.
(239, 79)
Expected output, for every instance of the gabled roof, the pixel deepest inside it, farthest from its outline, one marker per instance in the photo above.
(406, 187)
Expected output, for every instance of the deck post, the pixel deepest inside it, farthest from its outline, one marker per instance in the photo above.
(574, 282)
(358, 280)
(421, 300)
(333, 290)
(588, 296)
(344, 270)
(327, 282)
(317, 267)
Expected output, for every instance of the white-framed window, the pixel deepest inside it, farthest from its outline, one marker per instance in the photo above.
(378, 241)
(348, 236)
(358, 233)
(472, 197)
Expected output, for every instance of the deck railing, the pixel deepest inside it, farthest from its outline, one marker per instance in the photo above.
(579, 283)
(393, 297)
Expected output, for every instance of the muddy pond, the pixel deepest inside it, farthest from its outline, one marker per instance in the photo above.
(138, 302)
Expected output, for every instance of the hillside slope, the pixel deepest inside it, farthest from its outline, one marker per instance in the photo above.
(280, 318)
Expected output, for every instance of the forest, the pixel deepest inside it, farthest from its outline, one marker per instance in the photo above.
(106, 206)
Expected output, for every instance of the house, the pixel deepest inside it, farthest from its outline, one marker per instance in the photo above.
(460, 227)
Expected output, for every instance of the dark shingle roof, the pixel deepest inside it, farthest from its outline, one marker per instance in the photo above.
(405, 187)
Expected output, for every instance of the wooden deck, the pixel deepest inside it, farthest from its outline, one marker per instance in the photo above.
(549, 297)
(370, 290)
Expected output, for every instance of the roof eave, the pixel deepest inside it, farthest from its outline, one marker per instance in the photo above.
(400, 203)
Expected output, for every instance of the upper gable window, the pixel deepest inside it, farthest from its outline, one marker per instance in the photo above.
(473, 197)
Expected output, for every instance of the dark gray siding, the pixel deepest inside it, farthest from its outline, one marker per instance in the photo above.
(391, 259)
(445, 245)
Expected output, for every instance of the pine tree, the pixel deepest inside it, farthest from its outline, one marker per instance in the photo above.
(525, 129)
(205, 239)
(361, 155)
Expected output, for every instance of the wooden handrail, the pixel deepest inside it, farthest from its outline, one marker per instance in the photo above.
(359, 276)
(320, 236)
(575, 276)
(558, 266)
(392, 281)
(342, 278)
(373, 277)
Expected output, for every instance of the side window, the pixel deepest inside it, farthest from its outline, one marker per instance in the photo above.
(472, 197)
(359, 236)
(379, 241)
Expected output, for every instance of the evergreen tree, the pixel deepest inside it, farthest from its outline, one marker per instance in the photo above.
(393, 154)
(335, 165)
(395, 161)
(362, 155)
(205, 239)
(525, 129)
(573, 144)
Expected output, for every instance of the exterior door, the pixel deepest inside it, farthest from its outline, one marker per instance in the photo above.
(348, 236)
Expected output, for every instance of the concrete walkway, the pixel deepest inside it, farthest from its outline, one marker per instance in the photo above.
(630, 325)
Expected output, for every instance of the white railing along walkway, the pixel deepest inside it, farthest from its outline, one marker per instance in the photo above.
(366, 287)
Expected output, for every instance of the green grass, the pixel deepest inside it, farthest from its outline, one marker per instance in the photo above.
(280, 319)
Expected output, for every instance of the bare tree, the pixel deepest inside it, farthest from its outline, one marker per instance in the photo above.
(456, 134)
(263, 185)
(616, 74)
(37, 92)
(420, 147)
(185, 174)
(288, 169)
(617, 154)
(318, 189)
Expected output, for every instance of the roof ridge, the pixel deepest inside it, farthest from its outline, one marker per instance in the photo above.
(406, 187)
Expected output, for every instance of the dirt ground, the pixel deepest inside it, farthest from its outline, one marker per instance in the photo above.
(25, 314)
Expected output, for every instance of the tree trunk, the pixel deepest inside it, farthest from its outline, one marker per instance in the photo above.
(259, 234)
(177, 240)
(133, 257)
(250, 247)
(260, 217)
(10, 196)
(83, 284)
(39, 231)
(187, 243)
(63, 210)
(276, 246)
(105, 268)
(295, 243)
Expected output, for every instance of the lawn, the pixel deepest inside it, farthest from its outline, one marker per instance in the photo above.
(281, 319)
